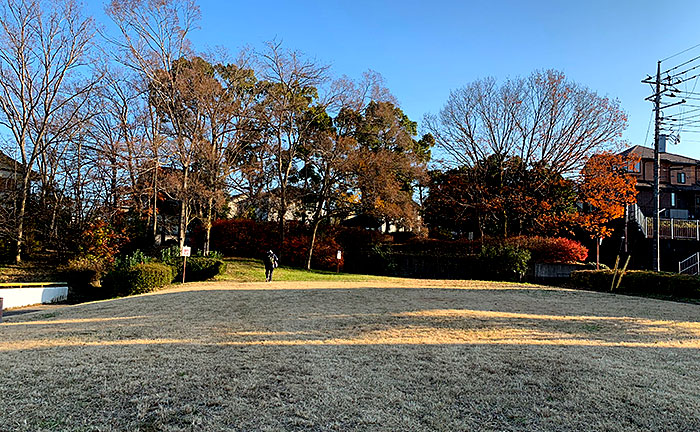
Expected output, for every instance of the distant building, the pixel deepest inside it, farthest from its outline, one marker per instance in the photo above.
(10, 175)
(679, 183)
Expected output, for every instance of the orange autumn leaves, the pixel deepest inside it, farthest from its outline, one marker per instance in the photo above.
(607, 186)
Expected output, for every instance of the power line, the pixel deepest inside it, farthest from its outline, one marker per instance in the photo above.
(682, 52)
(680, 65)
(651, 117)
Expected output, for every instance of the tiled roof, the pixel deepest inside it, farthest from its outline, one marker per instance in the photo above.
(648, 153)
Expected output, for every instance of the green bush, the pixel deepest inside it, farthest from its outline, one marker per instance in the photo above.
(170, 255)
(83, 278)
(141, 278)
(504, 262)
(639, 282)
(131, 260)
(199, 268)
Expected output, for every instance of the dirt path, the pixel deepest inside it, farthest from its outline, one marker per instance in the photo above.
(381, 355)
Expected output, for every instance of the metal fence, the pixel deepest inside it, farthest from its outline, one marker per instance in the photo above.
(636, 215)
(680, 229)
(690, 265)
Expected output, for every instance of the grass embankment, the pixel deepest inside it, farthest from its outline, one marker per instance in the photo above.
(253, 270)
(28, 272)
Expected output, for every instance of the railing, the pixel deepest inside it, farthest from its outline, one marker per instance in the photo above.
(636, 215)
(675, 229)
(32, 284)
(690, 265)
(678, 229)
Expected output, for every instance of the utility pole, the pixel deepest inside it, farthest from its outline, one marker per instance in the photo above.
(657, 169)
(672, 123)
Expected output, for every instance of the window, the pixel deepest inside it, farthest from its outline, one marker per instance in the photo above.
(681, 177)
(637, 167)
(673, 199)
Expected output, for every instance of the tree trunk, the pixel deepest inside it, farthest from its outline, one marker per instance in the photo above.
(312, 243)
(20, 216)
(155, 204)
(283, 211)
(207, 226)
(183, 211)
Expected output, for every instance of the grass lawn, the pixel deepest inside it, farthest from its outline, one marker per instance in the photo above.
(377, 355)
(253, 270)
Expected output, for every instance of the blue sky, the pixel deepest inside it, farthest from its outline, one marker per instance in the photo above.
(424, 49)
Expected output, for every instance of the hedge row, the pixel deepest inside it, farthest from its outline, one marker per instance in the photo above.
(146, 277)
(639, 282)
(550, 249)
(138, 279)
(199, 268)
(501, 263)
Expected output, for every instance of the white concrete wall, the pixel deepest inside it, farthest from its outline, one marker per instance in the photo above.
(16, 297)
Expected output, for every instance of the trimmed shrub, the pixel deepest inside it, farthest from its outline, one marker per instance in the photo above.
(505, 262)
(551, 249)
(141, 278)
(639, 282)
(199, 268)
(83, 278)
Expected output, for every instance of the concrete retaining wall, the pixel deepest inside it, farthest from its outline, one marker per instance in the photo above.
(16, 297)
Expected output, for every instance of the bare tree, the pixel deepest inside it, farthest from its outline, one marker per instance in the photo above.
(43, 47)
(119, 141)
(154, 38)
(542, 119)
(227, 95)
(293, 84)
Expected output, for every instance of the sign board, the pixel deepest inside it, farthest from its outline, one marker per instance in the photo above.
(185, 251)
(339, 255)
(471, 235)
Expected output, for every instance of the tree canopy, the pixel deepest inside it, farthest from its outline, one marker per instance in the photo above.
(543, 119)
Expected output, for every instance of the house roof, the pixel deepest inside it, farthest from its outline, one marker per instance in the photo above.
(648, 153)
(6, 160)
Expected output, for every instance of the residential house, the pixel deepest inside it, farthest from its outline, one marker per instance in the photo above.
(10, 175)
(679, 183)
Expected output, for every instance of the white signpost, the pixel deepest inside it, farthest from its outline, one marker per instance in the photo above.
(184, 252)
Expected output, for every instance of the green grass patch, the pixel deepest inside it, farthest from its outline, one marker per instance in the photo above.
(253, 270)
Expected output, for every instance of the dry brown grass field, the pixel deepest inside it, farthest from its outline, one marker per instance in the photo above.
(382, 355)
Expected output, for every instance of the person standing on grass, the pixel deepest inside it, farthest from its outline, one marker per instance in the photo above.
(271, 263)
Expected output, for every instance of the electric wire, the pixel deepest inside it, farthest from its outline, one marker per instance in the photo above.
(646, 138)
(683, 72)
(680, 65)
(681, 52)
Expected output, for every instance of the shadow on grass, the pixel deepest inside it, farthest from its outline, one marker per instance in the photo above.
(362, 316)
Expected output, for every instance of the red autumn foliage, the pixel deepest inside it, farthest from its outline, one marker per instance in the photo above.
(551, 249)
(249, 238)
(100, 242)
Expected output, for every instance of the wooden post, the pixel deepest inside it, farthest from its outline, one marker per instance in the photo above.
(697, 230)
(597, 253)
(184, 266)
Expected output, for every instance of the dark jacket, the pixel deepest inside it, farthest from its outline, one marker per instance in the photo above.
(271, 260)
